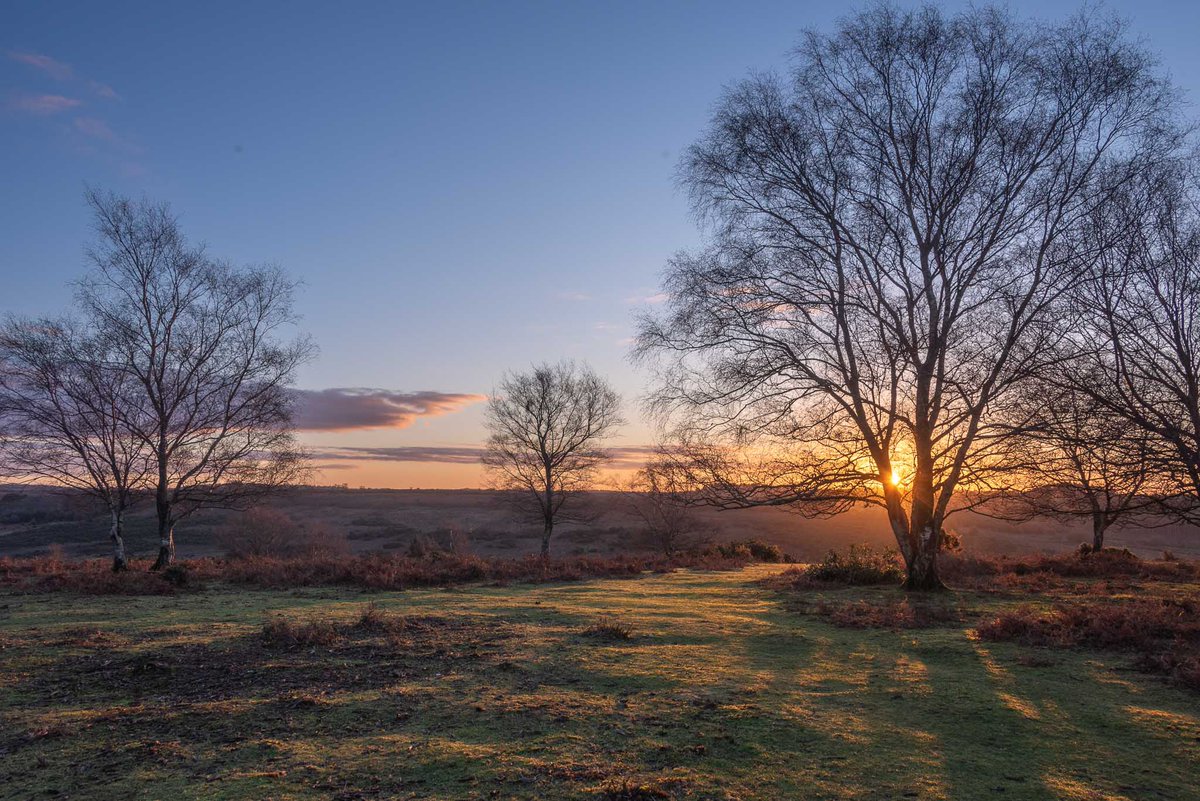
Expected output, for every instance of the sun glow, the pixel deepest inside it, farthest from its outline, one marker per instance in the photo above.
(894, 478)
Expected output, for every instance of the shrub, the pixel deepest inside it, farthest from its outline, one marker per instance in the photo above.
(177, 575)
(379, 571)
(270, 532)
(757, 550)
(1042, 571)
(1164, 632)
(374, 619)
(893, 613)
(860, 565)
(280, 632)
(608, 629)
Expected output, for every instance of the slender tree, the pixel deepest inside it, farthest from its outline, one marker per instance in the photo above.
(204, 342)
(68, 415)
(1081, 462)
(891, 228)
(665, 519)
(547, 427)
(1138, 326)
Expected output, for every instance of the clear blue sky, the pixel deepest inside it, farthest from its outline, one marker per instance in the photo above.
(462, 186)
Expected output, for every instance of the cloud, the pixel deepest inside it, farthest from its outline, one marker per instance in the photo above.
(352, 408)
(103, 90)
(63, 72)
(623, 458)
(445, 455)
(95, 128)
(637, 300)
(44, 104)
(52, 67)
(576, 296)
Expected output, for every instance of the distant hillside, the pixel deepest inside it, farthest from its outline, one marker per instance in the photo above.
(33, 519)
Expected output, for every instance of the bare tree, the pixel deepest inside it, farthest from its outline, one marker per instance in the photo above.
(204, 342)
(1081, 461)
(547, 426)
(1139, 326)
(66, 413)
(891, 228)
(665, 518)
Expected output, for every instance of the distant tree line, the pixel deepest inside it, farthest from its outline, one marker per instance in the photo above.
(170, 381)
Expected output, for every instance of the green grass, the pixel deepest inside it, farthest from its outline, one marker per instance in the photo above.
(724, 689)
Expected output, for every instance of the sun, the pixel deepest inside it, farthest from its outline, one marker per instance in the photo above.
(894, 479)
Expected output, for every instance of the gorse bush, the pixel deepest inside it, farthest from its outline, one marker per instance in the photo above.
(860, 565)
(756, 550)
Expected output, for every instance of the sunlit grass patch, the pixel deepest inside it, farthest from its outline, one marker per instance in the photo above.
(725, 689)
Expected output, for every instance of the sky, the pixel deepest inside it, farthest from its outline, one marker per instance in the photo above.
(463, 188)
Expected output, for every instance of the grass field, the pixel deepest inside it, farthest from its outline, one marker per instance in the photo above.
(682, 685)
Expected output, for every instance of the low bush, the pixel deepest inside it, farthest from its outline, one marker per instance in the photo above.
(609, 629)
(756, 550)
(860, 565)
(1165, 633)
(281, 632)
(1106, 563)
(892, 613)
(375, 571)
(374, 619)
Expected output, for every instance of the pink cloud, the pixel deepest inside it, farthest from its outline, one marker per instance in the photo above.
(95, 128)
(44, 104)
(353, 408)
(52, 67)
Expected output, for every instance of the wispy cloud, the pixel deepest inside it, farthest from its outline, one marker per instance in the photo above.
(573, 296)
(447, 455)
(44, 105)
(623, 458)
(655, 298)
(354, 408)
(103, 90)
(52, 67)
(95, 128)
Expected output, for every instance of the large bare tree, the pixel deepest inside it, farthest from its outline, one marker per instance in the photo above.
(68, 415)
(547, 429)
(891, 227)
(206, 344)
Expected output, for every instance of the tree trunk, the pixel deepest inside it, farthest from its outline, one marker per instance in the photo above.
(922, 565)
(547, 530)
(162, 507)
(118, 542)
(1098, 528)
(166, 545)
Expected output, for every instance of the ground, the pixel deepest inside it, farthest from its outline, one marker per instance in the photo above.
(680, 685)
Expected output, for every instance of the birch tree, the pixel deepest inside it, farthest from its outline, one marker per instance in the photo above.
(210, 348)
(547, 429)
(890, 228)
(68, 415)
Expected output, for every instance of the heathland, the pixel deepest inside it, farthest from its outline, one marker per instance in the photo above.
(1046, 678)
